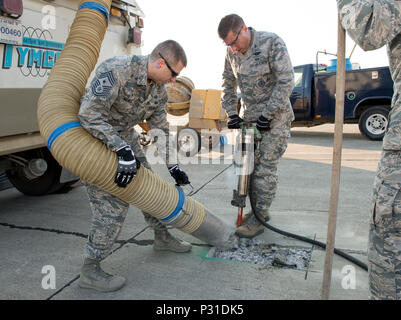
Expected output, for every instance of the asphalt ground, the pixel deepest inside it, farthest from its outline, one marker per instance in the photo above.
(42, 238)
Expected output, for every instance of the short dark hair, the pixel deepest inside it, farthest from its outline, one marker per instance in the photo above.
(231, 22)
(171, 50)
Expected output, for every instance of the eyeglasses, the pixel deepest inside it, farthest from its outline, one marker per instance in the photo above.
(236, 38)
(173, 73)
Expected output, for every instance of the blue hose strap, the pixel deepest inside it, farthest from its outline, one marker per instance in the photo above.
(60, 130)
(96, 6)
(179, 206)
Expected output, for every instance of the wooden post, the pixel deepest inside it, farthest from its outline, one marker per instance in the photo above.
(336, 167)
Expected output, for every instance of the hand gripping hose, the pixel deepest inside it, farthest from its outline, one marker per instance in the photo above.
(87, 157)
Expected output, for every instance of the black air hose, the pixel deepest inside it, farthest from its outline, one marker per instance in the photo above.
(298, 237)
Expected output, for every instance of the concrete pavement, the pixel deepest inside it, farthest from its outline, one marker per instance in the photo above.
(36, 233)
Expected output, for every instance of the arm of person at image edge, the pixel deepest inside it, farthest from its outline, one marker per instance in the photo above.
(281, 67)
(373, 24)
(158, 120)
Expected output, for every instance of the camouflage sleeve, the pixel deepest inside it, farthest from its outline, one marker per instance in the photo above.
(95, 109)
(229, 94)
(370, 23)
(158, 120)
(281, 66)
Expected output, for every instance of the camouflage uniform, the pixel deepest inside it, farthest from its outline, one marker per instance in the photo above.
(265, 78)
(117, 100)
(373, 24)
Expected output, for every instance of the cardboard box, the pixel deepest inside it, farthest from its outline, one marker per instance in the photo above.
(205, 104)
(198, 123)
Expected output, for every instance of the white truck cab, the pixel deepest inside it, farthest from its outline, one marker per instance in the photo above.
(32, 35)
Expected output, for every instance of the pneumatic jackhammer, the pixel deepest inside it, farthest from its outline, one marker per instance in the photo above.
(248, 152)
(245, 155)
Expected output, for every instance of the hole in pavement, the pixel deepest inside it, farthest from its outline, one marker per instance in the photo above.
(266, 254)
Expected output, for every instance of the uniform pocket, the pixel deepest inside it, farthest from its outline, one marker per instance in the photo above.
(273, 147)
(255, 74)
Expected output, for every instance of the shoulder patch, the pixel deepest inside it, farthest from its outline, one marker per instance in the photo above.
(103, 84)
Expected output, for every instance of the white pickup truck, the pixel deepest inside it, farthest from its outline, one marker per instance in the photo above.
(32, 36)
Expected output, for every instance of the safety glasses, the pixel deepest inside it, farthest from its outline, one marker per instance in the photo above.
(236, 38)
(173, 73)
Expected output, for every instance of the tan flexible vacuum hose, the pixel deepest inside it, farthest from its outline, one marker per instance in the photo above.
(87, 157)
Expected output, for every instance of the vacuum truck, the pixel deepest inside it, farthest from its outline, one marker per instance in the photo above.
(32, 36)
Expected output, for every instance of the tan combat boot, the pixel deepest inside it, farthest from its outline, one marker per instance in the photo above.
(164, 241)
(251, 227)
(249, 215)
(93, 277)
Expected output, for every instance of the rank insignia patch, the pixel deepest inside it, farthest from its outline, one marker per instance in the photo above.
(102, 86)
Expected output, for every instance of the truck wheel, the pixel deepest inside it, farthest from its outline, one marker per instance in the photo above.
(188, 142)
(47, 183)
(373, 122)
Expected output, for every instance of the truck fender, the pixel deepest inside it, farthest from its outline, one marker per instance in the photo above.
(368, 102)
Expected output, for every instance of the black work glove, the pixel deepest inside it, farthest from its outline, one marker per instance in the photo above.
(179, 176)
(234, 122)
(263, 124)
(127, 166)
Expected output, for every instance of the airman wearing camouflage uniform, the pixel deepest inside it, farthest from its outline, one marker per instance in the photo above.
(258, 63)
(125, 91)
(373, 24)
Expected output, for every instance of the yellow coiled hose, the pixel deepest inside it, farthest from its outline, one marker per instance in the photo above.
(87, 157)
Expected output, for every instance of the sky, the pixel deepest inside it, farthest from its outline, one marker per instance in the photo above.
(305, 26)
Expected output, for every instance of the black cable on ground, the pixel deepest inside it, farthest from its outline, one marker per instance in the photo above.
(285, 233)
(315, 242)
(298, 237)
(192, 193)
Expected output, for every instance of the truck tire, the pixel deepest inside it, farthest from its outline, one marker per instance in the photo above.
(47, 183)
(373, 122)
